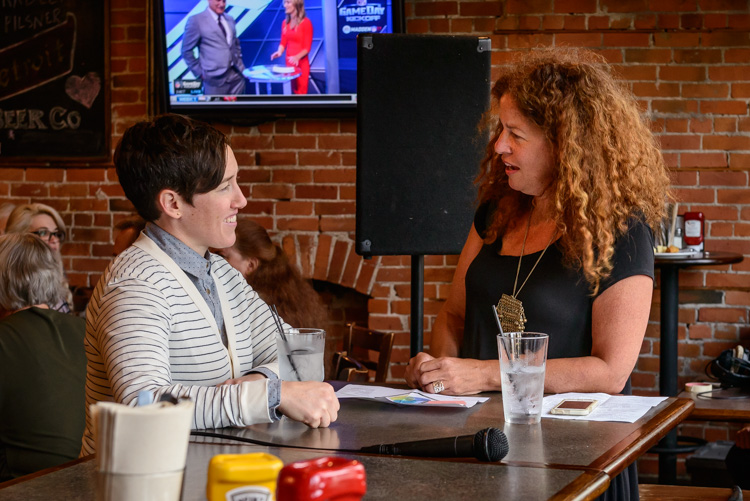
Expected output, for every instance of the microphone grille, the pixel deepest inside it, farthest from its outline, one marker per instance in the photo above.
(490, 444)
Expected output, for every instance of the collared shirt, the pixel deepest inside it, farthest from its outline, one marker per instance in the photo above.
(223, 20)
(198, 270)
(195, 266)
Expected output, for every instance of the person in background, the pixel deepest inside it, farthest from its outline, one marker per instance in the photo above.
(127, 231)
(571, 184)
(40, 219)
(45, 222)
(170, 317)
(267, 269)
(5, 211)
(296, 39)
(219, 62)
(738, 458)
(42, 361)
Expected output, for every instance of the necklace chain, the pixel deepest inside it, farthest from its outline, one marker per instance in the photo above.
(523, 248)
(509, 309)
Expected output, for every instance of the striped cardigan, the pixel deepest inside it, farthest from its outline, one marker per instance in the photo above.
(148, 328)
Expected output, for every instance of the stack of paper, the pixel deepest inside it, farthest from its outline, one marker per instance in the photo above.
(406, 397)
(622, 408)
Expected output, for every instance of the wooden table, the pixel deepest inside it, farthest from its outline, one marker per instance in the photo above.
(669, 295)
(734, 410)
(388, 478)
(601, 446)
(556, 459)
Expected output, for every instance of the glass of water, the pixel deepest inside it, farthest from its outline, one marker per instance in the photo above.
(300, 354)
(523, 358)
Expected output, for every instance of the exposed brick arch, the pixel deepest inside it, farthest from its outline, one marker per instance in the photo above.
(332, 259)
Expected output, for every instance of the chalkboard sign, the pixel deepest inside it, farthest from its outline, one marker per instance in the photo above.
(54, 98)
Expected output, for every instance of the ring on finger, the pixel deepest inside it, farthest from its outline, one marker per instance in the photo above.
(438, 386)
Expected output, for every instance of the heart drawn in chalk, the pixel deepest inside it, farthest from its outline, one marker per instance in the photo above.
(83, 89)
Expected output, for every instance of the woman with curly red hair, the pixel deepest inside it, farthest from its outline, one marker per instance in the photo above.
(569, 190)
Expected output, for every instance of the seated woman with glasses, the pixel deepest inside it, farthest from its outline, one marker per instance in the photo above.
(42, 361)
(46, 223)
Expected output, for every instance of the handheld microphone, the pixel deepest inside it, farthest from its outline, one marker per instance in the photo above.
(486, 445)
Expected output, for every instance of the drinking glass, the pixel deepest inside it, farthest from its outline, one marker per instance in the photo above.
(523, 358)
(301, 354)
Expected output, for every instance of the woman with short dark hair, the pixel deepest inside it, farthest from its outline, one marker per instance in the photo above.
(170, 317)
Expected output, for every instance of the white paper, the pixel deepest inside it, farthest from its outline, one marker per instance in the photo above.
(621, 408)
(397, 396)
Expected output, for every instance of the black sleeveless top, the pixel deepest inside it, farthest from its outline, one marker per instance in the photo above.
(556, 299)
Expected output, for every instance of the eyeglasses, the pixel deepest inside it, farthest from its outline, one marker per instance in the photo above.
(46, 234)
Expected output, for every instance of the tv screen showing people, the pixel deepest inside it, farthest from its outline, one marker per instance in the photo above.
(267, 52)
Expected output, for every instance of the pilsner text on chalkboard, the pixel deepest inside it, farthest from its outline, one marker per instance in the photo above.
(53, 72)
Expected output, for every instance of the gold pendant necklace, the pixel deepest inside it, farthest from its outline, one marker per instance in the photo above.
(510, 309)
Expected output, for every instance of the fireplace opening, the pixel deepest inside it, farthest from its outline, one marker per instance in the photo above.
(345, 305)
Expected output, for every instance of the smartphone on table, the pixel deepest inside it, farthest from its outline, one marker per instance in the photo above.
(575, 407)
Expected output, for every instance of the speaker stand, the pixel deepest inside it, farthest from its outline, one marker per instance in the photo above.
(417, 303)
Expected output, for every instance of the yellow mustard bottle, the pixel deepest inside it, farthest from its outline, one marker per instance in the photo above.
(243, 476)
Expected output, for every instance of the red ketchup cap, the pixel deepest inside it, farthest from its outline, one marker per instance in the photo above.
(320, 479)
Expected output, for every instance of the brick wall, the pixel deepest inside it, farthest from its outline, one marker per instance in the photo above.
(688, 62)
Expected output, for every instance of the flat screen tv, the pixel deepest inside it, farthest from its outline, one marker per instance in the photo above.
(280, 86)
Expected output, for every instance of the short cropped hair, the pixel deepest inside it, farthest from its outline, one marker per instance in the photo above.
(169, 152)
(19, 220)
(30, 273)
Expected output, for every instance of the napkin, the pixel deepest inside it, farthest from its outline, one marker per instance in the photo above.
(150, 439)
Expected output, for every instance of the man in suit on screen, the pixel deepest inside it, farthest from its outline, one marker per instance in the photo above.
(219, 62)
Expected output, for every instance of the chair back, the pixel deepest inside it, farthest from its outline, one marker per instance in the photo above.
(346, 367)
(353, 375)
(361, 339)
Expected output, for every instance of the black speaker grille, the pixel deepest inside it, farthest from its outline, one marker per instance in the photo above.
(421, 99)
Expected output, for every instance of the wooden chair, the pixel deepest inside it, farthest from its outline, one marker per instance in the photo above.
(361, 339)
(346, 368)
(354, 375)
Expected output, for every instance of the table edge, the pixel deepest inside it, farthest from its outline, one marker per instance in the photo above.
(638, 443)
(46, 471)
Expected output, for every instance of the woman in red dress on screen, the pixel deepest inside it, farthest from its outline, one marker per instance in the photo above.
(296, 38)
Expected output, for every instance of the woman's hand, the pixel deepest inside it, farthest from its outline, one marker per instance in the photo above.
(292, 60)
(413, 372)
(309, 402)
(459, 376)
(277, 54)
(447, 334)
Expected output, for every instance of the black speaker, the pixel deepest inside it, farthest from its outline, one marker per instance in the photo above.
(420, 103)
